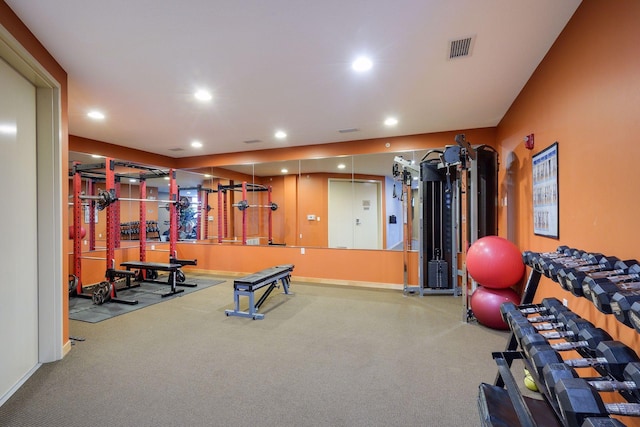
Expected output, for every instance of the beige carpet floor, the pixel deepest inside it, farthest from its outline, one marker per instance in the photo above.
(325, 356)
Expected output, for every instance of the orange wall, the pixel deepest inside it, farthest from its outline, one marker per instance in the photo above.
(361, 267)
(21, 33)
(586, 95)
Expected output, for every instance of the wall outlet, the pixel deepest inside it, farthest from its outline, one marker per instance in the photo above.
(301, 251)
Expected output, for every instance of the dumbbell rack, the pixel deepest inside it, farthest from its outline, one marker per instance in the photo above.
(504, 398)
(505, 392)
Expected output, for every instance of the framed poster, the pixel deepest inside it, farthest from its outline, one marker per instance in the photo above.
(545, 192)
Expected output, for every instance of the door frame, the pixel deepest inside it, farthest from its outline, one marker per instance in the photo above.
(49, 198)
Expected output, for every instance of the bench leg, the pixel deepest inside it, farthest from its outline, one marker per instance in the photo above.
(253, 309)
(285, 284)
(265, 295)
(172, 283)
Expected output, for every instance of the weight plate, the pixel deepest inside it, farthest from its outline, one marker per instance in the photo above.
(180, 277)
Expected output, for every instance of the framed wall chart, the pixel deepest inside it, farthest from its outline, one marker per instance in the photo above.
(545, 192)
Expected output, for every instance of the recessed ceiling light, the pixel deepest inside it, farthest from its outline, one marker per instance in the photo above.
(284, 170)
(95, 115)
(280, 134)
(341, 166)
(133, 180)
(8, 129)
(203, 95)
(391, 121)
(361, 64)
(206, 175)
(96, 156)
(196, 144)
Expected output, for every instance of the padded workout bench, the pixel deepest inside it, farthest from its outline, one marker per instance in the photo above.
(247, 285)
(172, 268)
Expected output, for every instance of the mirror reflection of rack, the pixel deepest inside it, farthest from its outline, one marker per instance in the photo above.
(297, 191)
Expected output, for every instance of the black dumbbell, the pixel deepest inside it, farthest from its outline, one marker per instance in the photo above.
(547, 265)
(629, 274)
(557, 321)
(589, 259)
(548, 306)
(586, 339)
(571, 279)
(630, 382)
(569, 331)
(634, 316)
(611, 357)
(530, 258)
(621, 303)
(602, 293)
(516, 320)
(578, 401)
(540, 261)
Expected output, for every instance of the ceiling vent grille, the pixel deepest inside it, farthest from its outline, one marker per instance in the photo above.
(176, 149)
(460, 48)
(252, 141)
(349, 130)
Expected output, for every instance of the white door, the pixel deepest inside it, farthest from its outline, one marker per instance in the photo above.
(18, 228)
(354, 215)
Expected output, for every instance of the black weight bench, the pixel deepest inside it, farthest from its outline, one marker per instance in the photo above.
(248, 285)
(173, 260)
(172, 268)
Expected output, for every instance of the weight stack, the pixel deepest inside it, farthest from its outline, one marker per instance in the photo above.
(438, 274)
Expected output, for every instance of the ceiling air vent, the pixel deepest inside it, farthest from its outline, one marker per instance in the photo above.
(460, 48)
(348, 130)
(252, 141)
(176, 149)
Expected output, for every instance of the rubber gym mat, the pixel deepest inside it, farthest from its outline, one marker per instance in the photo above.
(147, 294)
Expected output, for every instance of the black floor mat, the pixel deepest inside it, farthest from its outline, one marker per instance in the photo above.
(146, 294)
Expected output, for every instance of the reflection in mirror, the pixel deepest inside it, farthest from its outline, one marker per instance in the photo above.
(360, 200)
(340, 202)
(128, 188)
(251, 201)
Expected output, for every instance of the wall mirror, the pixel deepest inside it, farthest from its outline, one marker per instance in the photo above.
(340, 202)
(337, 202)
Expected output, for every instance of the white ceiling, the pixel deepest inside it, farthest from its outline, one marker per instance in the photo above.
(285, 64)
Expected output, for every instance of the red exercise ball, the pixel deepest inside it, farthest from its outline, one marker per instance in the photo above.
(495, 262)
(486, 302)
(83, 232)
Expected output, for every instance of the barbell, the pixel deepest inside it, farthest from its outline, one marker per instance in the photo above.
(243, 204)
(105, 198)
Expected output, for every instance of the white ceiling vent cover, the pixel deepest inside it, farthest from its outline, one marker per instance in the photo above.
(461, 47)
(348, 130)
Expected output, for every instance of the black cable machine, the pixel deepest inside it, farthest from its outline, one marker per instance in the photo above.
(448, 177)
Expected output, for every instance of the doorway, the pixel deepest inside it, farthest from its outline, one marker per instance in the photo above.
(354, 214)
